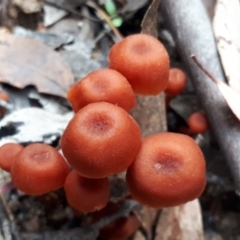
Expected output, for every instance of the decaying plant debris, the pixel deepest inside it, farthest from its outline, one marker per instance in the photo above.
(47, 45)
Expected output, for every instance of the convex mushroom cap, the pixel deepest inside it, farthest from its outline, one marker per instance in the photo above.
(39, 169)
(198, 123)
(85, 194)
(101, 139)
(103, 85)
(121, 228)
(169, 170)
(144, 61)
(8, 153)
(177, 82)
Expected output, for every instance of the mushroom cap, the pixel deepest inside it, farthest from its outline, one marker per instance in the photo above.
(102, 85)
(101, 139)
(198, 123)
(3, 96)
(144, 61)
(85, 194)
(39, 169)
(177, 82)
(119, 229)
(8, 153)
(169, 170)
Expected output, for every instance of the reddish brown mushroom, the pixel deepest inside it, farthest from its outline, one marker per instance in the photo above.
(3, 96)
(120, 229)
(85, 194)
(143, 60)
(198, 123)
(169, 170)
(39, 169)
(101, 139)
(177, 82)
(8, 153)
(103, 85)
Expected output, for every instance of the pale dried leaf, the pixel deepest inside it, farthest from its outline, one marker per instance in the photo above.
(26, 62)
(231, 96)
(149, 23)
(28, 6)
(181, 223)
(226, 25)
(32, 125)
(52, 15)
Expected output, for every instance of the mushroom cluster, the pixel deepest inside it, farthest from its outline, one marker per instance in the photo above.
(103, 139)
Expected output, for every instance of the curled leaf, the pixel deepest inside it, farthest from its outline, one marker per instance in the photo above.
(231, 96)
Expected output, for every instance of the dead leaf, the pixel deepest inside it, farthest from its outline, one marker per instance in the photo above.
(52, 40)
(32, 124)
(28, 6)
(231, 96)
(133, 5)
(26, 62)
(149, 23)
(52, 15)
(226, 25)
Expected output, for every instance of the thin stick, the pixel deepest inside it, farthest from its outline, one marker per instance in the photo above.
(194, 58)
(107, 19)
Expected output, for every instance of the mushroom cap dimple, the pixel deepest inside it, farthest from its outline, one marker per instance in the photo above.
(39, 169)
(102, 85)
(169, 170)
(144, 61)
(101, 139)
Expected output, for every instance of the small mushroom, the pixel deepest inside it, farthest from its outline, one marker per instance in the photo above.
(85, 194)
(144, 61)
(121, 228)
(102, 85)
(177, 82)
(8, 153)
(198, 123)
(39, 169)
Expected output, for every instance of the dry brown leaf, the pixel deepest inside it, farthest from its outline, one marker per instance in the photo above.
(149, 23)
(26, 62)
(226, 25)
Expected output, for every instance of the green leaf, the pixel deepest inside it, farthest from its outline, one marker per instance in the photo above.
(117, 21)
(110, 7)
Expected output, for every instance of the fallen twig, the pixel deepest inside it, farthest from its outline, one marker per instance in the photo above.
(191, 28)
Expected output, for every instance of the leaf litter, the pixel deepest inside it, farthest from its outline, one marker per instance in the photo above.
(25, 62)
